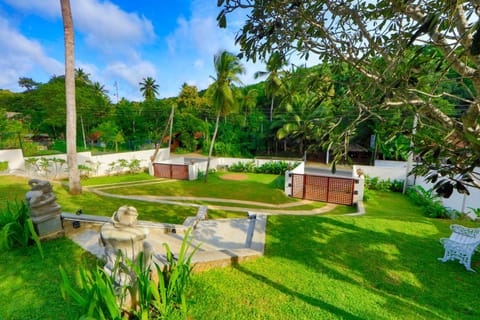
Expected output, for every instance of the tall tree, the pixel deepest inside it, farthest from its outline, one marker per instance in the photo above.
(384, 41)
(149, 88)
(73, 173)
(301, 120)
(274, 83)
(82, 77)
(227, 69)
(27, 83)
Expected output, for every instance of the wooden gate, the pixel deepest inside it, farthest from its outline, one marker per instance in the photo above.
(323, 188)
(170, 171)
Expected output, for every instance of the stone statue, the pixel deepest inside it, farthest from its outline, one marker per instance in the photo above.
(44, 209)
(125, 236)
(125, 216)
(42, 201)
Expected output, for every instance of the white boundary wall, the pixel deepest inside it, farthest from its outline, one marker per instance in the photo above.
(397, 170)
(384, 170)
(14, 157)
(456, 201)
(17, 164)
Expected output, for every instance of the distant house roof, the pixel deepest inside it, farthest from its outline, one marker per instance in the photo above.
(11, 115)
(356, 148)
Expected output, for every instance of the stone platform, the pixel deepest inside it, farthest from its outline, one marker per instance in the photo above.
(221, 242)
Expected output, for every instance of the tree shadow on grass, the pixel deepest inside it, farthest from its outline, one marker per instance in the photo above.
(307, 299)
(396, 259)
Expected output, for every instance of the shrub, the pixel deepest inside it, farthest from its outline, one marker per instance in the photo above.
(271, 167)
(3, 166)
(134, 166)
(376, 183)
(16, 227)
(99, 297)
(429, 201)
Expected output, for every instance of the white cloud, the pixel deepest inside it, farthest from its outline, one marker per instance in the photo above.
(110, 29)
(21, 56)
(128, 77)
(199, 63)
(104, 25)
(200, 33)
(48, 8)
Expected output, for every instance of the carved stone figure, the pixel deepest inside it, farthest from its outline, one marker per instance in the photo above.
(42, 201)
(44, 209)
(125, 236)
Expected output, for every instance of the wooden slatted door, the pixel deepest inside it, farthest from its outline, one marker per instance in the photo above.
(323, 188)
(170, 171)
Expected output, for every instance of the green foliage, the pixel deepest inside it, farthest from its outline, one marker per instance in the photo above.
(429, 201)
(134, 166)
(175, 279)
(383, 185)
(271, 167)
(3, 166)
(101, 297)
(96, 296)
(16, 227)
(59, 145)
(475, 211)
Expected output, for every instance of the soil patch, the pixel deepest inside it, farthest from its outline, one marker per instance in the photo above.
(234, 176)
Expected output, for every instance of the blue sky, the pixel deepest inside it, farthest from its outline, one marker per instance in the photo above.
(118, 41)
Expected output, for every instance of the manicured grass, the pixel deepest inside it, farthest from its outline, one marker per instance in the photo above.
(30, 286)
(117, 179)
(258, 187)
(379, 266)
(382, 265)
(12, 188)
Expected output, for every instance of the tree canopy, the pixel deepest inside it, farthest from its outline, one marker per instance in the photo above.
(402, 55)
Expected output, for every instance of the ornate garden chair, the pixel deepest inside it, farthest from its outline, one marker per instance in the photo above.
(461, 245)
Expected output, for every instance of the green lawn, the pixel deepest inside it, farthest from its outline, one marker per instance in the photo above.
(379, 266)
(258, 187)
(14, 188)
(382, 265)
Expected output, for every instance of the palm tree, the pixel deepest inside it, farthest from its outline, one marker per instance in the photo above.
(149, 88)
(222, 90)
(274, 73)
(301, 120)
(82, 76)
(249, 101)
(73, 173)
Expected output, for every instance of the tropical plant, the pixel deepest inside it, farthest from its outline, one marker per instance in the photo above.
(82, 77)
(149, 88)
(429, 201)
(3, 166)
(101, 297)
(97, 296)
(16, 227)
(227, 68)
(402, 54)
(301, 120)
(274, 75)
(134, 165)
(73, 174)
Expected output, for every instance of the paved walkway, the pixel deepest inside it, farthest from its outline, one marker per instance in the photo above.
(268, 208)
(221, 242)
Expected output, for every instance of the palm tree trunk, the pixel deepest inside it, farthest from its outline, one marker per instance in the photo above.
(211, 146)
(271, 108)
(73, 173)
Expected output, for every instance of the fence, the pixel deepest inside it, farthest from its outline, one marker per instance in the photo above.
(54, 166)
(319, 187)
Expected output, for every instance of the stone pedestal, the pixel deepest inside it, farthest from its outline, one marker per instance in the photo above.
(50, 229)
(123, 236)
(128, 240)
